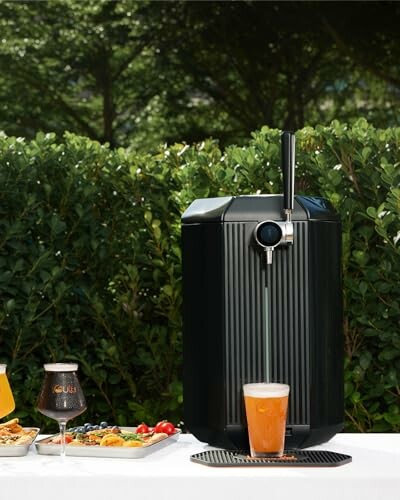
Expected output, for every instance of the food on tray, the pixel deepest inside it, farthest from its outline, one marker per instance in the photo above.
(107, 435)
(111, 440)
(163, 427)
(12, 433)
(143, 428)
(92, 427)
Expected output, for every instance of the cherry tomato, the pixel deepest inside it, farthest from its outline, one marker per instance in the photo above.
(157, 427)
(165, 427)
(142, 429)
(168, 428)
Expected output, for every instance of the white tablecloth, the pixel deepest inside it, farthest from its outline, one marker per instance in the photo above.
(168, 474)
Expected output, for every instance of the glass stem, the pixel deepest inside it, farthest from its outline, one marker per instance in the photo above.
(63, 426)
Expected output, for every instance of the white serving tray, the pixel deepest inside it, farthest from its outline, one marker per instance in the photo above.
(44, 447)
(18, 450)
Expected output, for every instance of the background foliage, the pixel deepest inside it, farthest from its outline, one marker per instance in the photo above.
(90, 261)
(140, 73)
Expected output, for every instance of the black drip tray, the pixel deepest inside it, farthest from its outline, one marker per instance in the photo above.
(295, 458)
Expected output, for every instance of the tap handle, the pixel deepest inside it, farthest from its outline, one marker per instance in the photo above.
(288, 143)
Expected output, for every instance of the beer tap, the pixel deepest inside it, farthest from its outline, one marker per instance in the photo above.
(270, 234)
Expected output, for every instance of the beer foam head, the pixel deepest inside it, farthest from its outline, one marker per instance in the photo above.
(3, 368)
(264, 390)
(61, 367)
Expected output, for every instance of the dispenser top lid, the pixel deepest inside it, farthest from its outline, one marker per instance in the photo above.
(265, 207)
(257, 208)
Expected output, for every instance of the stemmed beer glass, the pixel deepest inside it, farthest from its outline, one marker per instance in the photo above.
(61, 397)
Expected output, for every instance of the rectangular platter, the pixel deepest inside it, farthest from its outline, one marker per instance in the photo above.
(18, 450)
(44, 447)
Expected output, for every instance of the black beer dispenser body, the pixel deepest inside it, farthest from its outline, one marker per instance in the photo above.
(249, 317)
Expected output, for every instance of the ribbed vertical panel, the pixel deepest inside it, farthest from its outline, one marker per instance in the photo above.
(244, 315)
(250, 287)
(287, 279)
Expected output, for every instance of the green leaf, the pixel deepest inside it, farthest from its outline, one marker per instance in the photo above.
(363, 287)
(10, 305)
(348, 389)
(365, 360)
(393, 419)
(365, 153)
(168, 290)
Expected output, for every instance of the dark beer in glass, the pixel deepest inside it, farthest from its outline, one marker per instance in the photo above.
(61, 397)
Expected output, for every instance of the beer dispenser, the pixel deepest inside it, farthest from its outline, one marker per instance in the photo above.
(262, 302)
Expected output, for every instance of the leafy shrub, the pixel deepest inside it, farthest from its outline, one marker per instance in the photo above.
(74, 233)
(90, 261)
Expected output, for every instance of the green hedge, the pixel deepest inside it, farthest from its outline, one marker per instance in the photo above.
(90, 262)
(84, 275)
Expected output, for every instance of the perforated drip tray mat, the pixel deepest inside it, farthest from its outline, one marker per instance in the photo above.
(296, 458)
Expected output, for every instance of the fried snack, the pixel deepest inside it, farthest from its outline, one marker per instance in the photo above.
(155, 438)
(13, 433)
(25, 439)
(112, 440)
(10, 427)
(97, 439)
(10, 423)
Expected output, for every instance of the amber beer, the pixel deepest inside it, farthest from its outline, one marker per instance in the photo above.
(266, 409)
(7, 404)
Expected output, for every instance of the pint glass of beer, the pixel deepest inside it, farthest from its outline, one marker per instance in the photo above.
(266, 408)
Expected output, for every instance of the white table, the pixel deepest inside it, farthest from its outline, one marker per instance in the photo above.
(168, 474)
